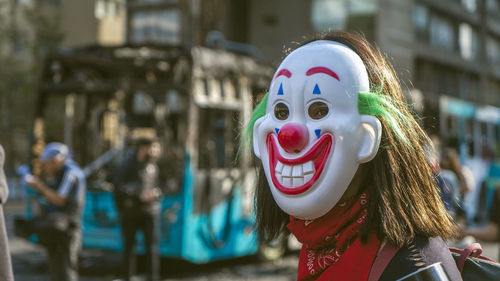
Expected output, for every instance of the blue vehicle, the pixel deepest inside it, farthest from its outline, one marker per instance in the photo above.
(194, 101)
(475, 130)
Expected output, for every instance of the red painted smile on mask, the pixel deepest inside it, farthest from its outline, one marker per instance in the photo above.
(295, 176)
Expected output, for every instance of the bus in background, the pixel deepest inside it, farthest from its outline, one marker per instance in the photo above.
(194, 101)
(474, 131)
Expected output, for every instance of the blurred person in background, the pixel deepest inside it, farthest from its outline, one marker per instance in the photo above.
(63, 188)
(442, 177)
(465, 181)
(451, 161)
(453, 182)
(491, 231)
(137, 198)
(5, 263)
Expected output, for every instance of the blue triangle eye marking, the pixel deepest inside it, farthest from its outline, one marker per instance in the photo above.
(317, 132)
(316, 90)
(277, 130)
(280, 91)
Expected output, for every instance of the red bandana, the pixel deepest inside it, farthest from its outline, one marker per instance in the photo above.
(332, 249)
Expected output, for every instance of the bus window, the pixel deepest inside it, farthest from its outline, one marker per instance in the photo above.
(483, 139)
(142, 103)
(484, 130)
(451, 125)
(469, 127)
(54, 122)
(218, 138)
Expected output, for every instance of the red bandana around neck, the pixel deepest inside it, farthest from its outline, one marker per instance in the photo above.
(331, 246)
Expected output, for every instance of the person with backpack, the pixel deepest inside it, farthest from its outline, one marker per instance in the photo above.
(343, 166)
(59, 226)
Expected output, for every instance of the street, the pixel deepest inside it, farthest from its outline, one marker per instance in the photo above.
(28, 262)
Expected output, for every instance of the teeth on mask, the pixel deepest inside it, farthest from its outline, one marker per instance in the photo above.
(296, 182)
(297, 171)
(287, 181)
(279, 167)
(287, 171)
(296, 175)
(308, 168)
(307, 177)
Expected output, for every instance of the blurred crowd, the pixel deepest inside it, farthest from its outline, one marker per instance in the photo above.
(462, 199)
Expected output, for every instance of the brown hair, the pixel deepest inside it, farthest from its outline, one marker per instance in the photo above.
(404, 198)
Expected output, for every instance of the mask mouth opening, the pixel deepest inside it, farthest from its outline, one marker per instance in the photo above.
(295, 176)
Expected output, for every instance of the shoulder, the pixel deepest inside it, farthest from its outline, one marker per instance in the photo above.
(419, 253)
(72, 175)
(75, 170)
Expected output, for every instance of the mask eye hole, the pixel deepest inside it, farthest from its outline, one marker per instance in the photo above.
(318, 110)
(281, 111)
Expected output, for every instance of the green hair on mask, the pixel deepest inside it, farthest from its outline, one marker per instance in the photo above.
(259, 111)
(384, 108)
(369, 103)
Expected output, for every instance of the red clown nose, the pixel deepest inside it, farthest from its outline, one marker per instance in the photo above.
(293, 137)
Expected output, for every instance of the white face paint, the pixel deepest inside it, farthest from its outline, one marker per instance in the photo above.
(312, 139)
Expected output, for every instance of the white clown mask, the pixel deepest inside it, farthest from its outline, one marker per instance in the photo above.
(312, 138)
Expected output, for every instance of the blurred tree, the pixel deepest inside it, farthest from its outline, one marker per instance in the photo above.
(28, 31)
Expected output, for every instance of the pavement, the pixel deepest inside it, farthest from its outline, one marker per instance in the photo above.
(29, 262)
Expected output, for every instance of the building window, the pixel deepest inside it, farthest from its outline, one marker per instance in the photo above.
(155, 26)
(20, 43)
(108, 8)
(24, 2)
(52, 2)
(420, 21)
(328, 15)
(154, 1)
(442, 33)
(492, 5)
(468, 42)
(470, 5)
(493, 51)
(494, 92)
(334, 14)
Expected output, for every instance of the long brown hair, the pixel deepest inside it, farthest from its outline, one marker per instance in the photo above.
(404, 198)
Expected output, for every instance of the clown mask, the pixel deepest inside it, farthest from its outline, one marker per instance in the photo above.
(312, 139)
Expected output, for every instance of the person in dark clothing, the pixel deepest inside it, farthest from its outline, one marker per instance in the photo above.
(420, 253)
(5, 262)
(137, 195)
(63, 188)
(344, 166)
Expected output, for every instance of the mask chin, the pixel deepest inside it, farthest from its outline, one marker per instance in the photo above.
(326, 191)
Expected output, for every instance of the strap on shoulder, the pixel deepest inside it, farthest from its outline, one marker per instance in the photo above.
(381, 261)
(473, 250)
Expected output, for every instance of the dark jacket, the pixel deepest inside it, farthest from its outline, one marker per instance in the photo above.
(5, 263)
(131, 179)
(421, 253)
